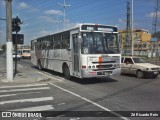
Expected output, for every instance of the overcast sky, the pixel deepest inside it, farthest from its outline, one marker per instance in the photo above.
(40, 16)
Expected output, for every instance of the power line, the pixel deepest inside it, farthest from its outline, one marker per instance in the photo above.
(64, 5)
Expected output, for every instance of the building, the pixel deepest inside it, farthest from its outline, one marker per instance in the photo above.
(142, 48)
(140, 37)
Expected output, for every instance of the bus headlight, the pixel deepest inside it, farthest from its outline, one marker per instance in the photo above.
(93, 66)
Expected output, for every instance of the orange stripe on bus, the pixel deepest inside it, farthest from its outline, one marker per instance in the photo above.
(100, 59)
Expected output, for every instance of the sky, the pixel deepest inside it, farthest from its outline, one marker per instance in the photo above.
(40, 16)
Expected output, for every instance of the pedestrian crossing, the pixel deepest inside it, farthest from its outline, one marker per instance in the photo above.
(29, 97)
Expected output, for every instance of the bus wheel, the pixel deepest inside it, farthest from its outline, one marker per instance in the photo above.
(39, 65)
(66, 72)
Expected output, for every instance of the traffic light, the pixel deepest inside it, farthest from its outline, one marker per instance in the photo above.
(15, 24)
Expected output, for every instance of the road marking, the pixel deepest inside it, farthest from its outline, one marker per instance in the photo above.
(27, 100)
(38, 108)
(8, 95)
(92, 102)
(46, 74)
(26, 89)
(27, 85)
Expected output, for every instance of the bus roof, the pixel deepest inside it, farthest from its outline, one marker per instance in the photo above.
(79, 25)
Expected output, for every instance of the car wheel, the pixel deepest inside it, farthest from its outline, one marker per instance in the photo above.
(154, 76)
(139, 74)
(66, 72)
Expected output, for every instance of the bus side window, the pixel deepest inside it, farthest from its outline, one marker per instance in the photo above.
(57, 41)
(66, 40)
(51, 43)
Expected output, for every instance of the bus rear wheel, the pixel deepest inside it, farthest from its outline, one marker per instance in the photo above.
(66, 72)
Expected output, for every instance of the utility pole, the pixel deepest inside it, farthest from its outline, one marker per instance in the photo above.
(156, 26)
(132, 29)
(127, 44)
(58, 23)
(9, 40)
(64, 5)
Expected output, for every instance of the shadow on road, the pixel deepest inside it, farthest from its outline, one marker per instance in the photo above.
(149, 76)
(86, 81)
(79, 80)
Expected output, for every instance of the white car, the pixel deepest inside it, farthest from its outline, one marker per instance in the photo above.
(137, 66)
(18, 56)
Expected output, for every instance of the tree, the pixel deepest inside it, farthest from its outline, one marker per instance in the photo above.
(4, 47)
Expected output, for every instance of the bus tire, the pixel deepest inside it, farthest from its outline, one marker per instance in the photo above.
(66, 72)
(40, 65)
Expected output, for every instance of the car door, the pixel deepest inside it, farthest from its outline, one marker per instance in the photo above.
(122, 65)
(127, 65)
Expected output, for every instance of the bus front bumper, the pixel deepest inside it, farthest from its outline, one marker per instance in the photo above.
(103, 73)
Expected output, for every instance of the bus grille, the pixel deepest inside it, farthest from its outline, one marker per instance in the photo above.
(104, 62)
(104, 66)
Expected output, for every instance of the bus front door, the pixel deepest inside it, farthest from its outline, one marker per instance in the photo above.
(75, 55)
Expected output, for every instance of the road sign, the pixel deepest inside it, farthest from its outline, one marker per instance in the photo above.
(20, 38)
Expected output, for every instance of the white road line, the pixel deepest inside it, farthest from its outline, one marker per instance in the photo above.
(46, 74)
(27, 85)
(8, 95)
(38, 108)
(25, 89)
(92, 102)
(27, 100)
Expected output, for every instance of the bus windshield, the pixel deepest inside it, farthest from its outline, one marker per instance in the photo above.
(100, 43)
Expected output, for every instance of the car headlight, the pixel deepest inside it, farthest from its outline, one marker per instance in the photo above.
(147, 68)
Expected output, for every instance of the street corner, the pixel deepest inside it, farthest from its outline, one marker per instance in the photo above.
(30, 76)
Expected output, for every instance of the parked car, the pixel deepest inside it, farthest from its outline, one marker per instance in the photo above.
(18, 56)
(138, 66)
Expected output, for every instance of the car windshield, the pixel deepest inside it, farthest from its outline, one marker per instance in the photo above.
(100, 43)
(139, 60)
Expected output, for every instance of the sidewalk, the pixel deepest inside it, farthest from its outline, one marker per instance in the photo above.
(24, 74)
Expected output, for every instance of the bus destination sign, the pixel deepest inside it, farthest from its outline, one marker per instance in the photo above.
(99, 28)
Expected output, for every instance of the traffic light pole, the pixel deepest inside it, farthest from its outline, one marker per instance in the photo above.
(9, 40)
(15, 55)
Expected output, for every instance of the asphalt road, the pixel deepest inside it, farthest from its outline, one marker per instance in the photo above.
(116, 94)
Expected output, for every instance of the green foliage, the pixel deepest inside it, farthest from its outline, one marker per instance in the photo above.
(4, 47)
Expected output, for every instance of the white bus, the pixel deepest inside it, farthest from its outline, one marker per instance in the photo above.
(85, 51)
(24, 53)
